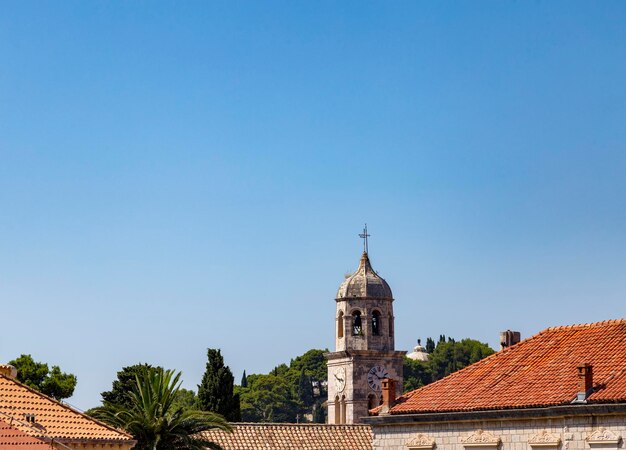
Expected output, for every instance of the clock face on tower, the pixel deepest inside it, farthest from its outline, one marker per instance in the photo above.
(339, 379)
(375, 377)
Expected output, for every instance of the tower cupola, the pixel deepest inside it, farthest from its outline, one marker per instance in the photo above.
(364, 283)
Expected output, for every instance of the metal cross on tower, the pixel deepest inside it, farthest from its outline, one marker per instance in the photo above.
(364, 236)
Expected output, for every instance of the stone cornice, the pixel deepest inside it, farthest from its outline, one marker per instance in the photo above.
(500, 414)
(374, 354)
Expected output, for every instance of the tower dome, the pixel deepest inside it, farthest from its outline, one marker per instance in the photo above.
(364, 283)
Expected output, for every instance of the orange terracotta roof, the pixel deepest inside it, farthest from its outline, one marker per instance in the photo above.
(539, 371)
(13, 439)
(283, 436)
(52, 419)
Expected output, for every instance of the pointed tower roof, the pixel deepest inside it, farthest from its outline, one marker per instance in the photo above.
(364, 283)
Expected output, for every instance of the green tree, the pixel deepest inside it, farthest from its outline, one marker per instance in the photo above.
(216, 391)
(152, 418)
(244, 380)
(268, 398)
(304, 390)
(122, 388)
(430, 345)
(416, 374)
(186, 399)
(286, 391)
(451, 356)
(314, 364)
(446, 357)
(53, 383)
(280, 370)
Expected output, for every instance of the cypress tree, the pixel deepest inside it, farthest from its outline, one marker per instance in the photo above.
(244, 380)
(305, 389)
(430, 345)
(215, 393)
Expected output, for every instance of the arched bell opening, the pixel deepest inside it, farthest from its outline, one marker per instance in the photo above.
(376, 323)
(340, 325)
(357, 327)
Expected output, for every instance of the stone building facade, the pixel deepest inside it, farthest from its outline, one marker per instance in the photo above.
(562, 389)
(575, 428)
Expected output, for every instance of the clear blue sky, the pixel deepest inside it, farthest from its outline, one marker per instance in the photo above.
(183, 175)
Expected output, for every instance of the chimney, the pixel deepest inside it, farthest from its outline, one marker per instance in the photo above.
(585, 383)
(8, 371)
(508, 338)
(389, 394)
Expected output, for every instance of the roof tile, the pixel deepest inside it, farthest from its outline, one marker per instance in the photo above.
(52, 419)
(13, 439)
(539, 371)
(282, 436)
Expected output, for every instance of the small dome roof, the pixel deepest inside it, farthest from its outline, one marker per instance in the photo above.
(364, 283)
(419, 353)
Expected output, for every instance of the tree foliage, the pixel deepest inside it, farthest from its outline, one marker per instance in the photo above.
(289, 393)
(304, 389)
(448, 356)
(51, 382)
(216, 391)
(122, 388)
(313, 363)
(416, 374)
(430, 345)
(151, 416)
(186, 399)
(451, 356)
(268, 398)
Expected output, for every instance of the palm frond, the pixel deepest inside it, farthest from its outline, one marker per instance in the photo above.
(152, 419)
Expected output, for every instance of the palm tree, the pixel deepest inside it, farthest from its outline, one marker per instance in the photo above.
(152, 419)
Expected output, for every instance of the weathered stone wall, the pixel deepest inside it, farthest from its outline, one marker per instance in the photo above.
(367, 340)
(565, 433)
(357, 389)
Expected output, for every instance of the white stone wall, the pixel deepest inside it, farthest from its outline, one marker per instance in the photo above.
(573, 433)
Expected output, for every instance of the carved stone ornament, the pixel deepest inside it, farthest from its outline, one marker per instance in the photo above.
(421, 442)
(481, 438)
(544, 439)
(603, 437)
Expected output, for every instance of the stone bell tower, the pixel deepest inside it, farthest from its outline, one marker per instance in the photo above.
(364, 345)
